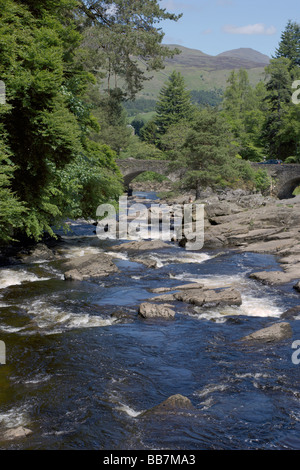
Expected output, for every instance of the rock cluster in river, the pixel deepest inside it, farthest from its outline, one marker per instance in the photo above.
(253, 223)
(89, 266)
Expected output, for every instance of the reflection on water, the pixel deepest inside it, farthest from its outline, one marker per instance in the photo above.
(82, 366)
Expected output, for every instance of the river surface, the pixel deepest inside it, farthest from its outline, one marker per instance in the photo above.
(82, 366)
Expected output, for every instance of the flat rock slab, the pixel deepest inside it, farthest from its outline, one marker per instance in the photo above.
(161, 290)
(17, 433)
(90, 266)
(140, 246)
(174, 404)
(273, 333)
(275, 277)
(149, 310)
(163, 298)
(210, 298)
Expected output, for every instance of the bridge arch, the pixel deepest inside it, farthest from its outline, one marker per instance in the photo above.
(287, 189)
(132, 168)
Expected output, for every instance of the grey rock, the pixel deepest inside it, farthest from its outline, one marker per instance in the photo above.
(140, 246)
(273, 333)
(39, 253)
(291, 313)
(150, 263)
(73, 275)
(149, 310)
(174, 404)
(210, 298)
(90, 266)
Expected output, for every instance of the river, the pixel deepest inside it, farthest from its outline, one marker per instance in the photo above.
(82, 366)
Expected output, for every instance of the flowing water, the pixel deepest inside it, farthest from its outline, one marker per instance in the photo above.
(82, 366)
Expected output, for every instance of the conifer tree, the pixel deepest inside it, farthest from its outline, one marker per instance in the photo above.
(174, 104)
(289, 46)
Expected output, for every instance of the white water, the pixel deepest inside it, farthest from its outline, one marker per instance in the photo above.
(13, 277)
(251, 304)
(47, 319)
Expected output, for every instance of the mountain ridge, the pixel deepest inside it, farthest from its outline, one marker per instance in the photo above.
(205, 72)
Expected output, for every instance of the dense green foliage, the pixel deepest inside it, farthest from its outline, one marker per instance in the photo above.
(139, 105)
(209, 155)
(207, 97)
(59, 135)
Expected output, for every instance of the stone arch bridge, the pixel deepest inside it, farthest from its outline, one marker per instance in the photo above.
(285, 178)
(131, 168)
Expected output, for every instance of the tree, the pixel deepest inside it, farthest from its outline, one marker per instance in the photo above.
(174, 103)
(46, 124)
(124, 40)
(209, 156)
(243, 111)
(289, 46)
(278, 99)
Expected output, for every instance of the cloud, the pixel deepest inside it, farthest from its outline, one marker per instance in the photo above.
(251, 29)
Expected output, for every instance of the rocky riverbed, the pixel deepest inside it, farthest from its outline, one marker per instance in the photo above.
(136, 344)
(257, 224)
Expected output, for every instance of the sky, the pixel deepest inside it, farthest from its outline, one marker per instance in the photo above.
(215, 26)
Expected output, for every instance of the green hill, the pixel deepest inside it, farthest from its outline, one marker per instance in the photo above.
(205, 72)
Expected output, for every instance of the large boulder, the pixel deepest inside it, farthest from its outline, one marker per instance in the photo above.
(271, 334)
(149, 310)
(90, 266)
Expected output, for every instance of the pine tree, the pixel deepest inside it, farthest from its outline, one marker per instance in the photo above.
(278, 99)
(289, 46)
(174, 104)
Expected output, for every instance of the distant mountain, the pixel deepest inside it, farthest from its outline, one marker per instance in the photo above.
(206, 72)
(247, 54)
(235, 59)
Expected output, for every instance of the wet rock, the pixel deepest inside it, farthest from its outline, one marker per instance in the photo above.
(297, 286)
(39, 253)
(17, 433)
(291, 313)
(163, 298)
(274, 277)
(273, 333)
(140, 246)
(149, 310)
(210, 298)
(73, 275)
(174, 404)
(90, 266)
(150, 263)
(162, 290)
